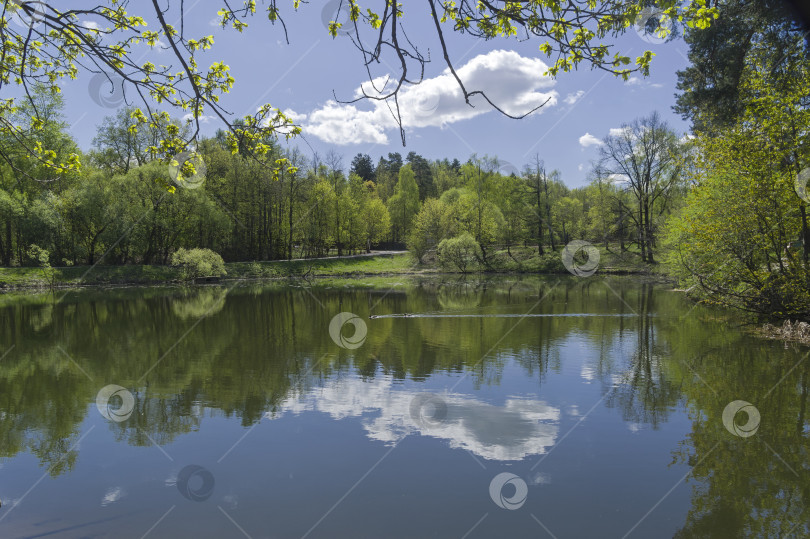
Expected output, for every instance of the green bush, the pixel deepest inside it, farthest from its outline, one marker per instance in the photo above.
(461, 252)
(41, 257)
(551, 262)
(38, 256)
(199, 263)
(255, 270)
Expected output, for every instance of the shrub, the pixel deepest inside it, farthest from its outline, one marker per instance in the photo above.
(551, 262)
(460, 252)
(255, 269)
(199, 263)
(41, 258)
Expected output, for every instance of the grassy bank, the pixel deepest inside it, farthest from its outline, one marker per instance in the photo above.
(520, 260)
(15, 278)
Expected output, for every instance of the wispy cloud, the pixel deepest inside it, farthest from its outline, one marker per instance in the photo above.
(570, 99)
(643, 83)
(619, 131)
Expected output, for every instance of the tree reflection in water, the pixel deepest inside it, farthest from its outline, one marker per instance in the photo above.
(263, 351)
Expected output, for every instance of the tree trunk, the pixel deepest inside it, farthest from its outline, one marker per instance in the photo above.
(91, 255)
(648, 236)
(7, 253)
(640, 233)
(805, 237)
(290, 222)
(337, 228)
(539, 226)
(548, 222)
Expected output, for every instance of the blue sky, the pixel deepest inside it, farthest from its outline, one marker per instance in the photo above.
(301, 77)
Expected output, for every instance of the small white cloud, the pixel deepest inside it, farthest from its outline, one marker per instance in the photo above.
(618, 131)
(203, 119)
(619, 179)
(588, 140)
(643, 83)
(570, 99)
(580, 167)
(91, 24)
(160, 46)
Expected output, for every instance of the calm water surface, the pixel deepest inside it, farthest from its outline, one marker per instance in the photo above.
(507, 408)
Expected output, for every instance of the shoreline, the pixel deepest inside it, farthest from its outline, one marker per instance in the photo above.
(376, 264)
(381, 265)
(41, 286)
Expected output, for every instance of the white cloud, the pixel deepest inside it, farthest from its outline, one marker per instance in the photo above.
(580, 167)
(345, 124)
(587, 140)
(91, 24)
(379, 86)
(203, 119)
(619, 179)
(618, 131)
(512, 82)
(570, 99)
(637, 81)
(294, 116)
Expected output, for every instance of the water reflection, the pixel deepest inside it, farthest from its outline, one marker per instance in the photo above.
(197, 303)
(506, 388)
(518, 428)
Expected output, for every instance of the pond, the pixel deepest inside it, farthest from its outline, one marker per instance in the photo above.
(512, 407)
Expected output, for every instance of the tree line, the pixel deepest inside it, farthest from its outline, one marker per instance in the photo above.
(117, 208)
(725, 207)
